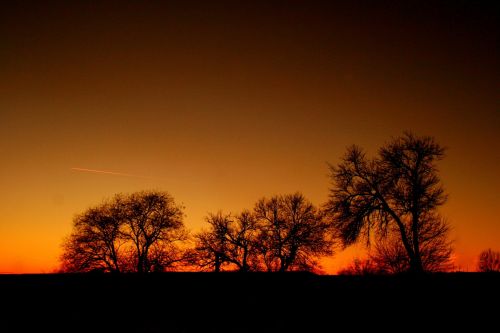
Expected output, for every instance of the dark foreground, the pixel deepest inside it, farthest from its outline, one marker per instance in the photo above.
(232, 302)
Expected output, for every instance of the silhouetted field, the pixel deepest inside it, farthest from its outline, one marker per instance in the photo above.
(256, 302)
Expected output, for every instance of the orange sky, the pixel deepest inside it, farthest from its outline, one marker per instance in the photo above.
(223, 103)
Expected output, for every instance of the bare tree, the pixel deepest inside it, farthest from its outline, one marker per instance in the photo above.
(228, 243)
(154, 222)
(242, 235)
(397, 190)
(211, 250)
(489, 261)
(95, 241)
(137, 232)
(293, 233)
(283, 233)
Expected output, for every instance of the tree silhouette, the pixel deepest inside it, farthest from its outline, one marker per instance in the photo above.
(211, 250)
(282, 233)
(293, 233)
(228, 242)
(489, 261)
(397, 191)
(243, 235)
(95, 242)
(154, 224)
(138, 232)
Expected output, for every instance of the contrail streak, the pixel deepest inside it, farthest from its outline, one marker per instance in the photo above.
(108, 172)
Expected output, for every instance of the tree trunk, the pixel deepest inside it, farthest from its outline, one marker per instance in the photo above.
(140, 263)
(244, 266)
(402, 231)
(282, 264)
(416, 262)
(416, 266)
(217, 263)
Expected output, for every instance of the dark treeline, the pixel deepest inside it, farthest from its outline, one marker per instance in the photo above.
(390, 201)
(282, 233)
(144, 232)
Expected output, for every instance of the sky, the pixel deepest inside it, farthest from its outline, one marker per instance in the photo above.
(223, 102)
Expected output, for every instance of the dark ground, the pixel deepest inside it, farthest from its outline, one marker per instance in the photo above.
(259, 302)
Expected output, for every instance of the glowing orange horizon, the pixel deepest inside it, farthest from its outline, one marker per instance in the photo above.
(226, 104)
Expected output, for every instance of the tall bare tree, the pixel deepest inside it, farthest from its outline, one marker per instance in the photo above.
(137, 232)
(397, 190)
(293, 233)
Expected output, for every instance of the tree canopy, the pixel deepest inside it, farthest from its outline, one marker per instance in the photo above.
(282, 233)
(138, 232)
(396, 193)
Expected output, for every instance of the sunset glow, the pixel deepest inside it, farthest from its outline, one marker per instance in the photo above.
(223, 103)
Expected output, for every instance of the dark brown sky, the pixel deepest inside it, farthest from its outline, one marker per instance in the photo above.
(222, 102)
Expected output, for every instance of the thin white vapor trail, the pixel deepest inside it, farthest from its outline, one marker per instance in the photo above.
(108, 172)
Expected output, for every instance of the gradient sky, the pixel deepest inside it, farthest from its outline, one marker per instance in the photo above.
(221, 103)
